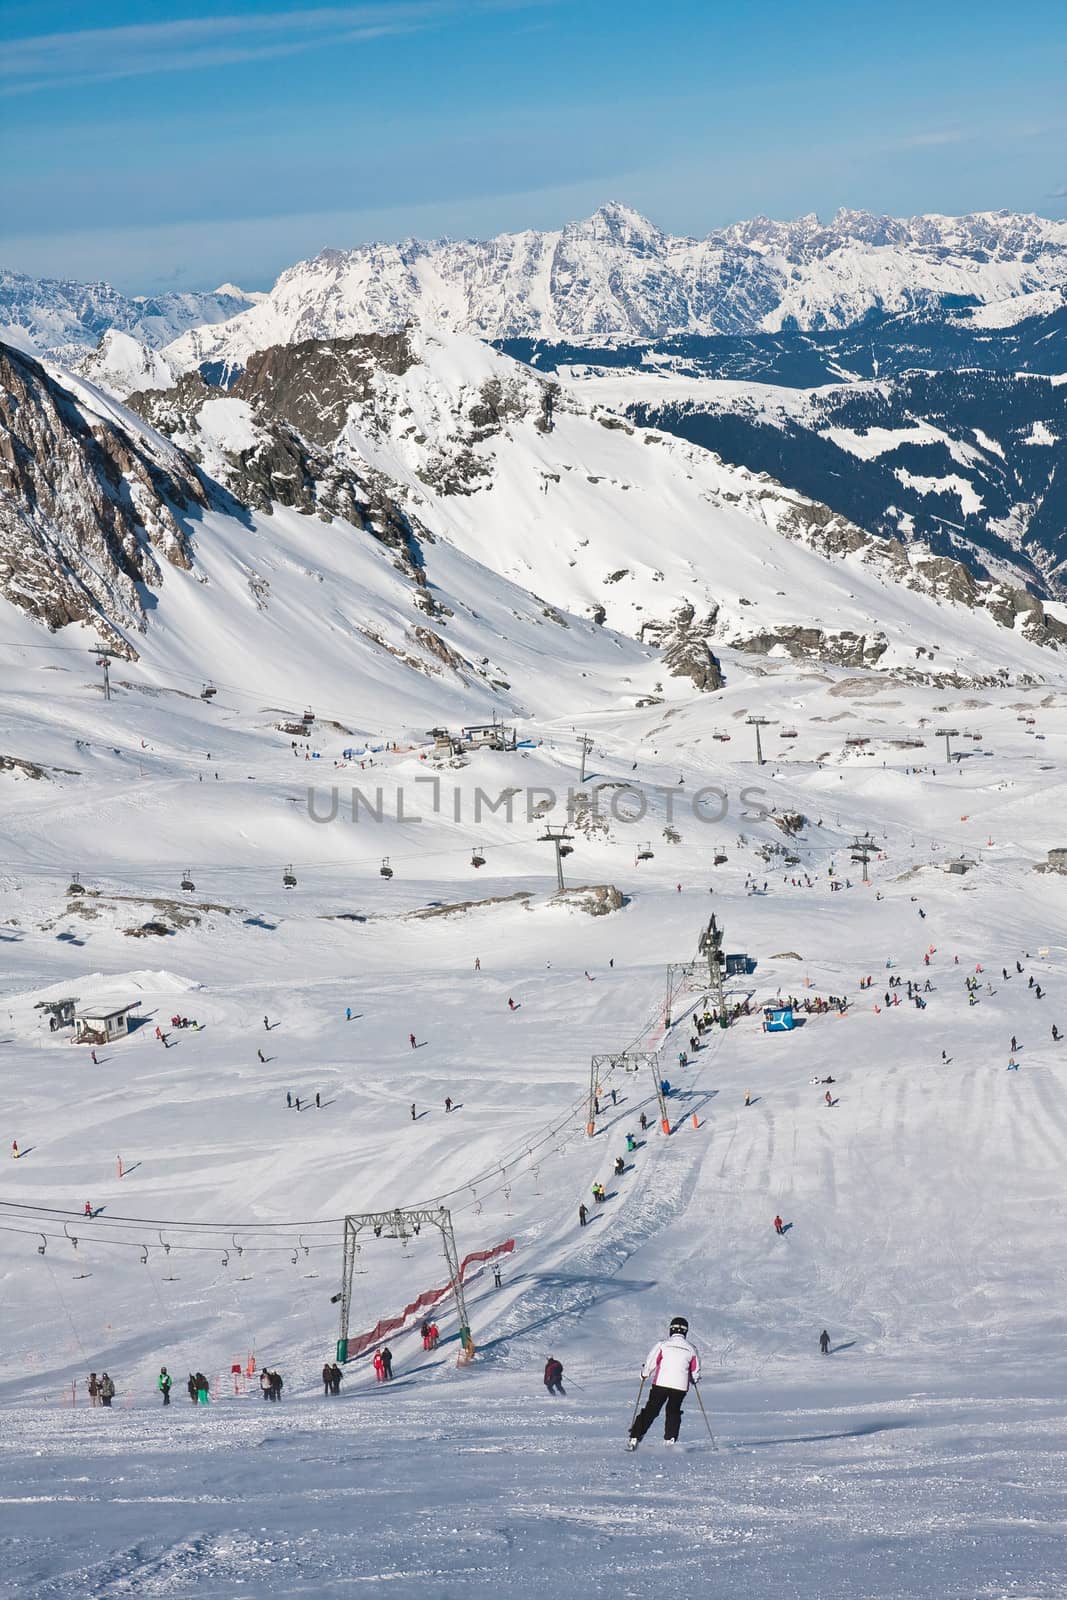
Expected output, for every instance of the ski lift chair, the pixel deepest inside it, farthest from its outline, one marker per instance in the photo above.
(75, 885)
(187, 882)
(385, 870)
(645, 851)
(289, 877)
(478, 859)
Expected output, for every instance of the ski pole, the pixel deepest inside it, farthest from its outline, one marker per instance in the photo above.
(707, 1424)
(637, 1402)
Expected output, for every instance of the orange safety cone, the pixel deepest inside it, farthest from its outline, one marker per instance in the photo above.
(666, 1125)
(696, 1120)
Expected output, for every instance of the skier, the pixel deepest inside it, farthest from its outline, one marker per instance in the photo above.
(262, 1058)
(348, 1013)
(497, 1280)
(829, 1098)
(554, 1376)
(266, 1024)
(434, 1335)
(88, 1209)
(583, 1215)
(327, 1378)
(387, 1362)
(824, 1342)
(644, 1123)
(511, 1004)
(477, 963)
(779, 1226)
(289, 1098)
(107, 1390)
(411, 1040)
(1014, 1044)
(620, 1166)
(748, 1097)
(413, 1111)
(297, 1102)
(1056, 1034)
(448, 1103)
(163, 1384)
(672, 1364)
(318, 1101)
(424, 1333)
(335, 1379)
(92, 1057)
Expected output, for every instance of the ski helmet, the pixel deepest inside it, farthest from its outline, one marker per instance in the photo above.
(679, 1325)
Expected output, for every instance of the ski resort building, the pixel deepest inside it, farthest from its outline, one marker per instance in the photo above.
(100, 1024)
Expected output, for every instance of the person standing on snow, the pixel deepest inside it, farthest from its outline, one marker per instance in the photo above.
(554, 1376)
(824, 1342)
(387, 1363)
(583, 1215)
(107, 1390)
(672, 1364)
(779, 1225)
(327, 1379)
(379, 1366)
(163, 1385)
(411, 1040)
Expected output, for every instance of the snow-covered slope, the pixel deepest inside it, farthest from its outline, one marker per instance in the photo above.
(59, 317)
(655, 537)
(616, 275)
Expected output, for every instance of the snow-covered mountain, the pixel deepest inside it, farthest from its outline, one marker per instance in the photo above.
(616, 275)
(62, 318)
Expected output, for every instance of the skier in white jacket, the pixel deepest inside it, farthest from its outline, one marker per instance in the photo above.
(673, 1365)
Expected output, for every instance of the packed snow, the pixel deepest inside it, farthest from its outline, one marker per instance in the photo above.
(922, 1457)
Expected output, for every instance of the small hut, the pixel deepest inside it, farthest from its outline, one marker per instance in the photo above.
(102, 1024)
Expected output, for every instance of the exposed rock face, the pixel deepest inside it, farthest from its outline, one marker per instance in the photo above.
(845, 649)
(686, 650)
(88, 511)
(596, 899)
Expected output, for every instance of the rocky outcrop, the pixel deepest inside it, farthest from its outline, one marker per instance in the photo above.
(91, 513)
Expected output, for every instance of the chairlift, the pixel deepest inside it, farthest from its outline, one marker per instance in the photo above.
(790, 733)
(187, 881)
(566, 849)
(43, 1246)
(645, 851)
(289, 877)
(385, 870)
(76, 886)
(309, 716)
(478, 858)
(720, 858)
(208, 692)
(144, 1256)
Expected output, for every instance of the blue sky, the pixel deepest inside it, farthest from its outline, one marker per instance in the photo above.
(179, 144)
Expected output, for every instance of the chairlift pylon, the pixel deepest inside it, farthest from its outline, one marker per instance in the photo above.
(385, 870)
(289, 877)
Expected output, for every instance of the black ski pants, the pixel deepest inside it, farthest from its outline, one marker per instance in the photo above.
(658, 1397)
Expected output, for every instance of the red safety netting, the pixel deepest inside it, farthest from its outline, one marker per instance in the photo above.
(428, 1298)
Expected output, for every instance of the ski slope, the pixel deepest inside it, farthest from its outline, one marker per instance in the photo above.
(924, 1457)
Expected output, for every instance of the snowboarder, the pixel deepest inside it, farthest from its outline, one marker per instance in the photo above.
(779, 1226)
(88, 1209)
(631, 1144)
(583, 1215)
(163, 1384)
(1056, 1034)
(511, 1004)
(620, 1166)
(824, 1342)
(554, 1376)
(672, 1365)
(203, 1390)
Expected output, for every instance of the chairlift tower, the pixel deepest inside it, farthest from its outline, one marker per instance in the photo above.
(947, 734)
(104, 658)
(861, 852)
(401, 1224)
(585, 745)
(709, 945)
(562, 841)
(758, 723)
